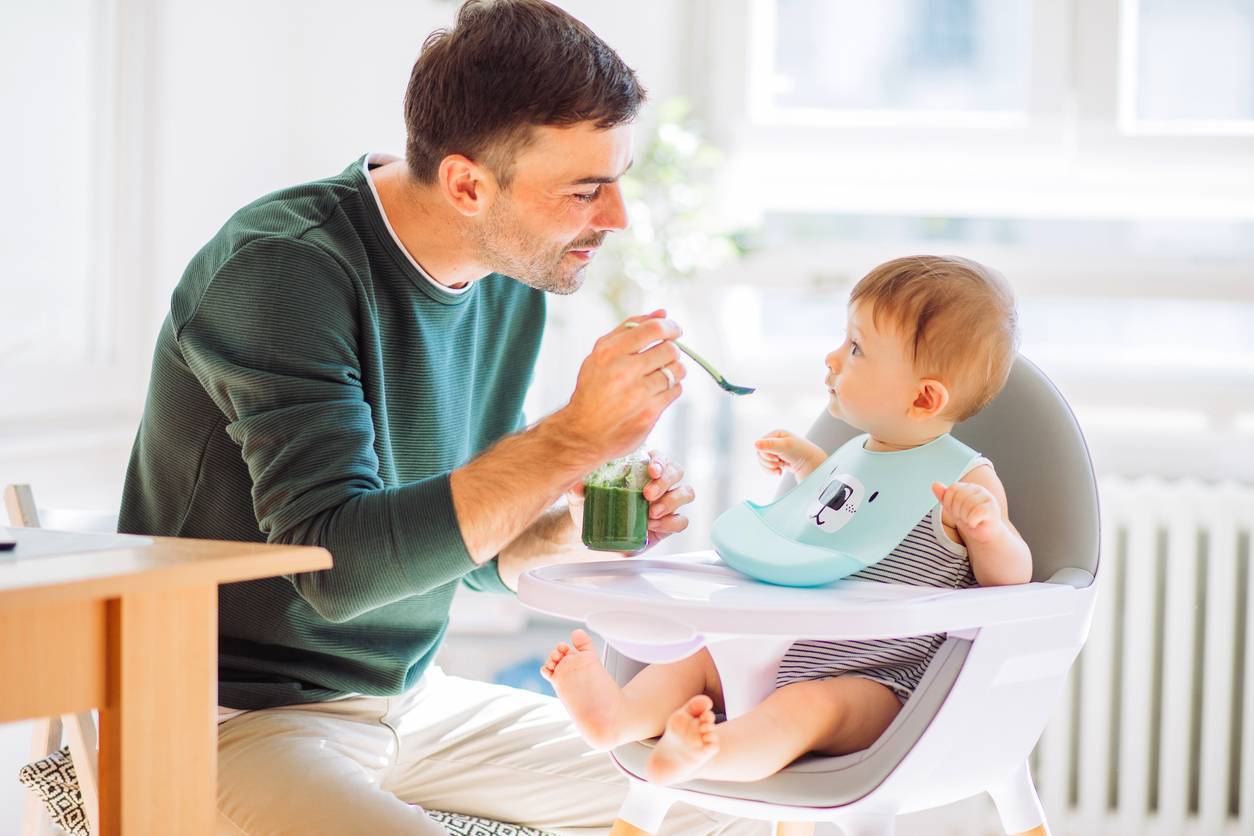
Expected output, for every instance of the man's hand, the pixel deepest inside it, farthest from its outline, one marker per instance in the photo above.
(780, 451)
(664, 493)
(622, 389)
(624, 386)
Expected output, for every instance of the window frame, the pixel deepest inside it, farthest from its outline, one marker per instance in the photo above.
(1071, 157)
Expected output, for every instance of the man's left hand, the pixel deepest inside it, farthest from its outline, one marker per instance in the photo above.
(665, 493)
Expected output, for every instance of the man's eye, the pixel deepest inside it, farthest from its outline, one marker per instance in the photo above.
(587, 197)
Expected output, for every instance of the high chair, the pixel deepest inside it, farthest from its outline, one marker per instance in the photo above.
(972, 722)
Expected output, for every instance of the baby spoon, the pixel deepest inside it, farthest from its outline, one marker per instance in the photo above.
(714, 373)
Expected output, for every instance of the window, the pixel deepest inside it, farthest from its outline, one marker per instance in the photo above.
(833, 57)
(50, 290)
(1190, 67)
(71, 320)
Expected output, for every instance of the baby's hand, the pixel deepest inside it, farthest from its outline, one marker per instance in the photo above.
(972, 508)
(780, 450)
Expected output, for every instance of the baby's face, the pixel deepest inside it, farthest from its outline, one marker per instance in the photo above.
(870, 378)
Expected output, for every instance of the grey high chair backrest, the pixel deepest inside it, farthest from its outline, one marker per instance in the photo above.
(1032, 437)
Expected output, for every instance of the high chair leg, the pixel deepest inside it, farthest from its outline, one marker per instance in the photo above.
(1018, 804)
(642, 811)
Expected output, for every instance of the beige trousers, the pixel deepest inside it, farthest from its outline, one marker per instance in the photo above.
(369, 765)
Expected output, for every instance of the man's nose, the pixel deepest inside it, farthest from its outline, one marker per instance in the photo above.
(612, 211)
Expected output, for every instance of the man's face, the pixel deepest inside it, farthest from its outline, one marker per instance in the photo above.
(563, 200)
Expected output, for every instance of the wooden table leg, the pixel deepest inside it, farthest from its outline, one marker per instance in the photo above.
(158, 731)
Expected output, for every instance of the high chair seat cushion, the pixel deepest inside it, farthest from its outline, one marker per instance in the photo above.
(824, 782)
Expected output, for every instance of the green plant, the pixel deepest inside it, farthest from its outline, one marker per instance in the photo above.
(676, 231)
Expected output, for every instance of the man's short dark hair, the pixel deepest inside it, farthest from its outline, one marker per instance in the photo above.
(505, 67)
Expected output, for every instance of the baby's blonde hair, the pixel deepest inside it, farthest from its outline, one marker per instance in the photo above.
(958, 315)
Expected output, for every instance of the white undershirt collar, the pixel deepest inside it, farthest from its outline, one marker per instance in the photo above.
(384, 159)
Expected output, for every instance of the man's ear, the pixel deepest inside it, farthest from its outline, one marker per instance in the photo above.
(930, 399)
(466, 185)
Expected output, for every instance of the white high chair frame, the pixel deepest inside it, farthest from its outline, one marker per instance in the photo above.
(983, 702)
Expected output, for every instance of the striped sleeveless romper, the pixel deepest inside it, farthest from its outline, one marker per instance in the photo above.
(926, 557)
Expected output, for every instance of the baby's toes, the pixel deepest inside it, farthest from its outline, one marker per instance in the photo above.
(580, 639)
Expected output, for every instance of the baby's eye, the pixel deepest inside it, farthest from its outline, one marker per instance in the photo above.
(854, 349)
(587, 197)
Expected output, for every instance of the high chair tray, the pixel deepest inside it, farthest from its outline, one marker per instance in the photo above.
(699, 592)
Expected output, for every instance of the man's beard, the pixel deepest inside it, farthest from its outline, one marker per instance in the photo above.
(507, 248)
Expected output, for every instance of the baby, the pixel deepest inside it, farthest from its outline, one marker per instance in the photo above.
(930, 341)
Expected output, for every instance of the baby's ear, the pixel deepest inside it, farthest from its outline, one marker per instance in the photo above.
(930, 399)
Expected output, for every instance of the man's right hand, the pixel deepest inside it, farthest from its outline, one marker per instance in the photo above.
(622, 391)
(620, 394)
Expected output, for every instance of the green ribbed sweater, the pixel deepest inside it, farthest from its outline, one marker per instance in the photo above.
(311, 386)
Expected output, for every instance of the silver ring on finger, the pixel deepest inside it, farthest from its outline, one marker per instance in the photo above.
(669, 375)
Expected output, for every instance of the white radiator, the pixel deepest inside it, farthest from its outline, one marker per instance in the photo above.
(1156, 732)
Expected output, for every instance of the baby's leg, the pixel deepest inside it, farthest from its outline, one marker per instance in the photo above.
(834, 716)
(607, 715)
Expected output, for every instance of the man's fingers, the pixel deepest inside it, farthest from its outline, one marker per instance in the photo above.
(671, 501)
(650, 330)
(672, 524)
(660, 313)
(670, 476)
(657, 463)
(662, 354)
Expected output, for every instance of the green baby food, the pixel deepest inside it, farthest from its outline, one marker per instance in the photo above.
(615, 512)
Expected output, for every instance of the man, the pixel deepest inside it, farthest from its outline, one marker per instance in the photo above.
(344, 365)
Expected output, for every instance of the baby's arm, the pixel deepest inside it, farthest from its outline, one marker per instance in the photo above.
(780, 450)
(976, 506)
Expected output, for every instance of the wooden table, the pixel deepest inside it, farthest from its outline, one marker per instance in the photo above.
(130, 626)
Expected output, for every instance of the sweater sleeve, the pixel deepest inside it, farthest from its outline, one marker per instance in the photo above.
(273, 340)
(486, 578)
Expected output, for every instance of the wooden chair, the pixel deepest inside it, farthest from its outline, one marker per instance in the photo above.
(78, 730)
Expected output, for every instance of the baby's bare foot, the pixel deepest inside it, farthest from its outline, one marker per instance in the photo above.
(687, 744)
(585, 687)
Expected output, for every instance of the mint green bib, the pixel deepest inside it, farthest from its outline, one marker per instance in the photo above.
(848, 514)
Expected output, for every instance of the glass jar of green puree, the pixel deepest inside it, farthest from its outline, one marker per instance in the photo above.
(615, 512)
